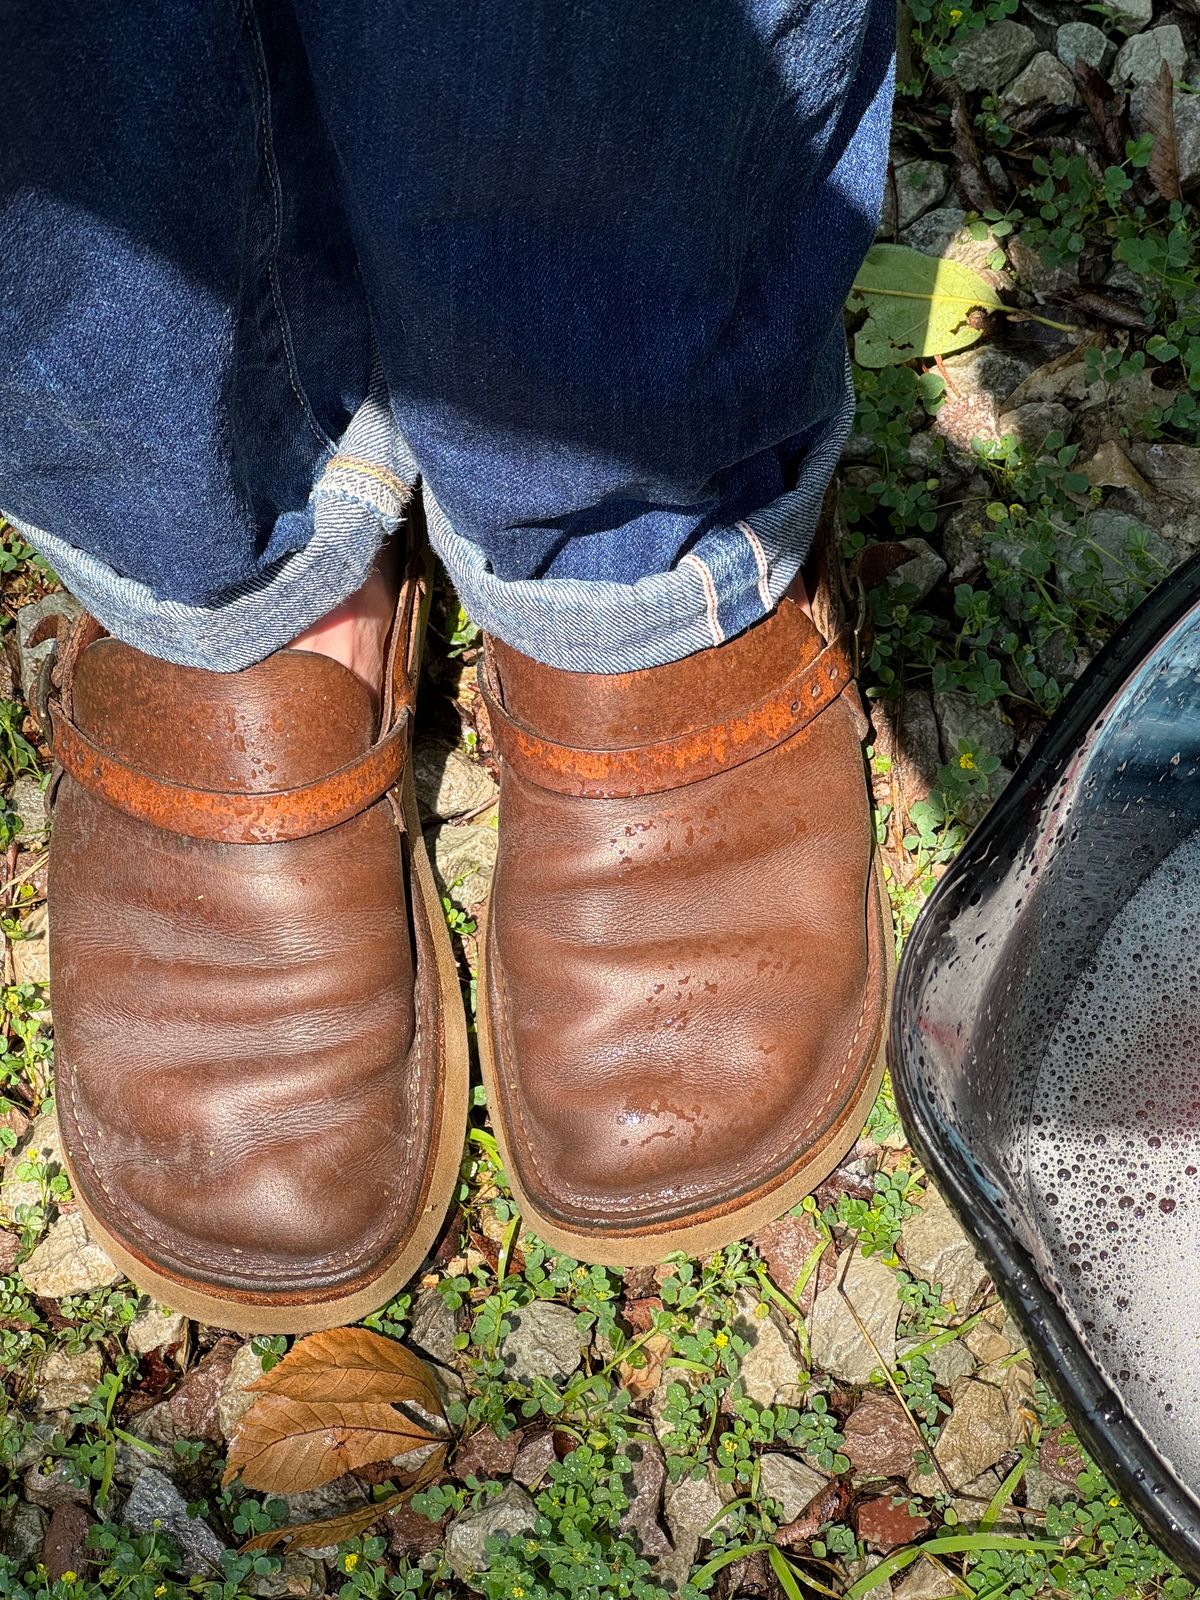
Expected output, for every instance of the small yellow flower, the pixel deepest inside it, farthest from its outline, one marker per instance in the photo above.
(1114, 1501)
(956, 15)
(160, 1591)
(721, 1340)
(967, 761)
(518, 1592)
(350, 1562)
(69, 1577)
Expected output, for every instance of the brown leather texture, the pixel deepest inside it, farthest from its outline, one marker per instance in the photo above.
(247, 1062)
(678, 758)
(685, 987)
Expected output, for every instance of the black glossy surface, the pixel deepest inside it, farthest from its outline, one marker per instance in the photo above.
(1007, 940)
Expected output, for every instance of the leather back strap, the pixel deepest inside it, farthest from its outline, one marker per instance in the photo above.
(672, 763)
(265, 818)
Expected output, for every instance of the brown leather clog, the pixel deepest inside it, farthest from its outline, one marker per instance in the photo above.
(261, 1074)
(688, 950)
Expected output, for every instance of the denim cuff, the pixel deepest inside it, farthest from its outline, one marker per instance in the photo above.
(357, 501)
(731, 577)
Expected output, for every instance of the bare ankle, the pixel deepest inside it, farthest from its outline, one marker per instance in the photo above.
(356, 632)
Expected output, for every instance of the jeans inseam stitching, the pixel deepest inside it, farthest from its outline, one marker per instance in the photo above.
(273, 179)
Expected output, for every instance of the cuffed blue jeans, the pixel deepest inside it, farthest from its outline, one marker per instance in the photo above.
(579, 268)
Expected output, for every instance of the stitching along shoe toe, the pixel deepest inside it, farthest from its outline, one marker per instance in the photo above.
(261, 1054)
(688, 954)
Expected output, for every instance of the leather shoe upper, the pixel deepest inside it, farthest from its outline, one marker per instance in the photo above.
(685, 984)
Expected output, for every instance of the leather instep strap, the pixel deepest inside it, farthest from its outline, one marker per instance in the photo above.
(264, 818)
(672, 763)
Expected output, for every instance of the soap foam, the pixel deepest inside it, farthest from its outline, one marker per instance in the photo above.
(1114, 1155)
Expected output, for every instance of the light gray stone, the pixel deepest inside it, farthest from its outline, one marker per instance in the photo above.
(1042, 1490)
(31, 656)
(925, 1580)
(451, 1391)
(944, 233)
(433, 1327)
(543, 1343)
(936, 1250)
(1082, 41)
(1187, 143)
(1108, 532)
(949, 1362)
(68, 1261)
(932, 457)
(34, 1451)
(66, 1378)
(22, 1534)
(448, 783)
(235, 1398)
(297, 1575)
(1045, 81)
(53, 1488)
(977, 1496)
(31, 952)
(925, 568)
(464, 855)
(157, 1328)
(1034, 422)
(983, 367)
(994, 55)
(1141, 57)
(509, 1513)
(645, 1490)
(41, 1144)
(770, 1370)
(962, 538)
(920, 185)
(961, 717)
(1131, 15)
(793, 1484)
(934, 232)
(27, 798)
(978, 1431)
(837, 1343)
(659, 1399)
(688, 1509)
(155, 1502)
(1045, 280)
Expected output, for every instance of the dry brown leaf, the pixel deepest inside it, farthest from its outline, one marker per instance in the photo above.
(351, 1365)
(284, 1446)
(1111, 468)
(333, 1530)
(1158, 118)
(1107, 108)
(1060, 379)
(643, 1380)
(329, 1407)
(972, 180)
